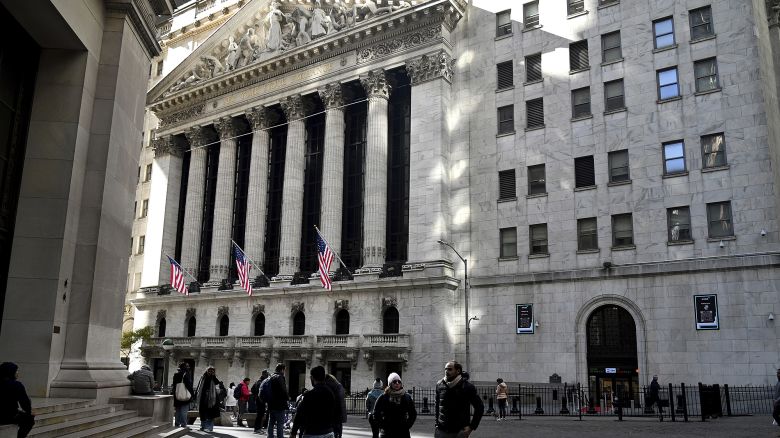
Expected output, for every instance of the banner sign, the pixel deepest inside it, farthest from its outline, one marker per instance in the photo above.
(525, 318)
(706, 308)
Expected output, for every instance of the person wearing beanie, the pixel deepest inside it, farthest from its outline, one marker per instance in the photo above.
(14, 397)
(143, 381)
(394, 412)
(371, 399)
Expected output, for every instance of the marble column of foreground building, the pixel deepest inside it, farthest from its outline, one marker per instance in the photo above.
(429, 209)
(332, 168)
(223, 203)
(163, 211)
(292, 190)
(257, 194)
(375, 191)
(193, 210)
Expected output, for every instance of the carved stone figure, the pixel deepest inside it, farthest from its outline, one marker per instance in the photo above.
(339, 17)
(213, 64)
(186, 82)
(320, 22)
(301, 20)
(247, 47)
(232, 58)
(367, 9)
(274, 18)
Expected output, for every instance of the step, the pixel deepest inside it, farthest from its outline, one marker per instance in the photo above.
(142, 425)
(74, 414)
(41, 406)
(60, 429)
(149, 431)
(176, 432)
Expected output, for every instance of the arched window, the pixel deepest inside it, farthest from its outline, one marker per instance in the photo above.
(259, 325)
(224, 324)
(342, 322)
(161, 328)
(390, 320)
(299, 324)
(191, 327)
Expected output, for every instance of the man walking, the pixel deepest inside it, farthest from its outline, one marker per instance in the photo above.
(455, 396)
(277, 402)
(776, 399)
(655, 399)
(318, 411)
(243, 400)
(371, 399)
(259, 403)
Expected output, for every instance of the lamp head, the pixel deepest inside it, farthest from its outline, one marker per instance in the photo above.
(763, 232)
(167, 345)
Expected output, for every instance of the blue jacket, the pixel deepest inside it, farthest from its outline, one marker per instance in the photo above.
(14, 396)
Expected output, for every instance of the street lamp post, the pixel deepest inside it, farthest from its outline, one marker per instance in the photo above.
(167, 345)
(465, 298)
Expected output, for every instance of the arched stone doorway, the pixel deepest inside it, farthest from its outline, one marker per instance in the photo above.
(613, 364)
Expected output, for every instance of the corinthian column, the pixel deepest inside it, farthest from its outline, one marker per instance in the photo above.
(375, 194)
(223, 202)
(332, 167)
(292, 190)
(193, 212)
(257, 195)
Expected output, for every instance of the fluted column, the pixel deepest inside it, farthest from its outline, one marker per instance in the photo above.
(375, 191)
(332, 167)
(223, 202)
(292, 190)
(193, 212)
(257, 195)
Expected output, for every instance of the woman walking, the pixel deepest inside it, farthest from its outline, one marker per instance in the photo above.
(394, 411)
(231, 404)
(208, 399)
(181, 401)
(501, 397)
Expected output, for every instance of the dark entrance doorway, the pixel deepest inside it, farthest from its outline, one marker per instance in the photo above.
(342, 371)
(297, 377)
(612, 357)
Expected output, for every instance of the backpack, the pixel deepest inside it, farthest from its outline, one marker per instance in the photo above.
(265, 390)
(256, 389)
(237, 391)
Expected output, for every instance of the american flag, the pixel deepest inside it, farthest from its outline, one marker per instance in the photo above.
(325, 258)
(177, 277)
(243, 267)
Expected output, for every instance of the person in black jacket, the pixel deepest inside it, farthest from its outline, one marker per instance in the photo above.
(210, 393)
(12, 397)
(318, 411)
(394, 411)
(277, 406)
(454, 397)
(182, 406)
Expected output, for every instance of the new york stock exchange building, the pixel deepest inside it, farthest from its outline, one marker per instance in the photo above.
(603, 174)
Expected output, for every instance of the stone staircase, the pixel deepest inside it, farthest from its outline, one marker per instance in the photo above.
(70, 418)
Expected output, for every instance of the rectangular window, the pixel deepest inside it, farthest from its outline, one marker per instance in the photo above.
(141, 244)
(534, 113)
(506, 184)
(148, 176)
(578, 56)
(159, 67)
(506, 119)
(610, 47)
(587, 234)
(674, 157)
(144, 207)
(663, 32)
(679, 223)
(531, 15)
(713, 150)
(622, 230)
(701, 23)
(668, 87)
(614, 98)
(536, 180)
(135, 208)
(584, 176)
(706, 72)
(575, 6)
(533, 68)
(719, 219)
(618, 166)
(504, 75)
(503, 23)
(508, 242)
(580, 102)
(538, 238)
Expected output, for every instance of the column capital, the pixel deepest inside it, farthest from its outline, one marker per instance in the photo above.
(166, 145)
(293, 107)
(195, 136)
(431, 66)
(226, 128)
(375, 84)
(332, 95)
(258, 117)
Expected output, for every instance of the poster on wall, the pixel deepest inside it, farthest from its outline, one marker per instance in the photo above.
(525, 318)
(706, 307)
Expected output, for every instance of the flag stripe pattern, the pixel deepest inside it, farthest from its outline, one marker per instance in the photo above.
(177, 277)
(242, 267)
(325, 258)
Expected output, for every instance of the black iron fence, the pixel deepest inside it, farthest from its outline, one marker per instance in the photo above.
(674, 402)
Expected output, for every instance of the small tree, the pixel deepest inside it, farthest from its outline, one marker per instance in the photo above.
(130, 338)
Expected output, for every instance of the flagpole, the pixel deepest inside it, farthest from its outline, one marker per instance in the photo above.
(332, 250)
(250, 260)
(182, 268)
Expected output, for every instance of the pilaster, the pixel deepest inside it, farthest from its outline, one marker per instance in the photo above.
(333, 167)
(292, 190)
(193, 211)
(223, 203)
(257, 195)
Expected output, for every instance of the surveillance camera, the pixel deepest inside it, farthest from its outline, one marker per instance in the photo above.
(763, 232)
(722, 244)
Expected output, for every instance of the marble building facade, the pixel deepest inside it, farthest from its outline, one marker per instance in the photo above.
(583, 157)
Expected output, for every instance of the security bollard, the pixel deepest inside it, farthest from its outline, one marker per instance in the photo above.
(564, 406)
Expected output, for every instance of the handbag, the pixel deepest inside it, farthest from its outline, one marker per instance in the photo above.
(182, 393)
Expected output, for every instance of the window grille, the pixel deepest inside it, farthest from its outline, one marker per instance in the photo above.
(535, 113)
(584, 176)
(578, 56)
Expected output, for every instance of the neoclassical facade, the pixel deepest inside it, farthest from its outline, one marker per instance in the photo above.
(606, 168)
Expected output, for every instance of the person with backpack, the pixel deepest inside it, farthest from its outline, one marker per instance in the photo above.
(394, 412)
(242, 390)
(182, 394)
(261, 418)
(231, 402)
(274, 393)
(371, 399)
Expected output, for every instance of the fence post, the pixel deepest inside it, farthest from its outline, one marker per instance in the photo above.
(684, 402)
(671, 402)
(728, 399)
(701, 402)
(517, 404)
(579, 401)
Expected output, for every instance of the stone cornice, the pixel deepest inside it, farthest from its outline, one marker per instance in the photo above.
(375, 84)
(142, 18)
(431, 66)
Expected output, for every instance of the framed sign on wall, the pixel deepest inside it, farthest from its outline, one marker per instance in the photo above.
(706, 308)
(525, 318)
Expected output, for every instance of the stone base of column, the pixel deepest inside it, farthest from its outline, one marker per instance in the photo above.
(93, 380)
(282, 280)
(367, 274)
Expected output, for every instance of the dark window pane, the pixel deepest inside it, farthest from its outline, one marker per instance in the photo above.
(535, 113)
(618, 166)
(580, 101)
(504, 75)
(503, 23)
(719, 219)
(713, 150)
(390, 321)
(610, 47)
(575, 6)
(584, 174)
(508, 242)
(531, 15)
(506, 184)
(506, 122)
(538, 238)
(587, 235)
(533, 68)
(613, 95)
(578, 55)
(622, 230)
(299, 324)
(679, 220)
(701, 23)
(536, 180)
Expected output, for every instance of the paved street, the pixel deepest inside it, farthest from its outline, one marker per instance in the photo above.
(569, 428)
